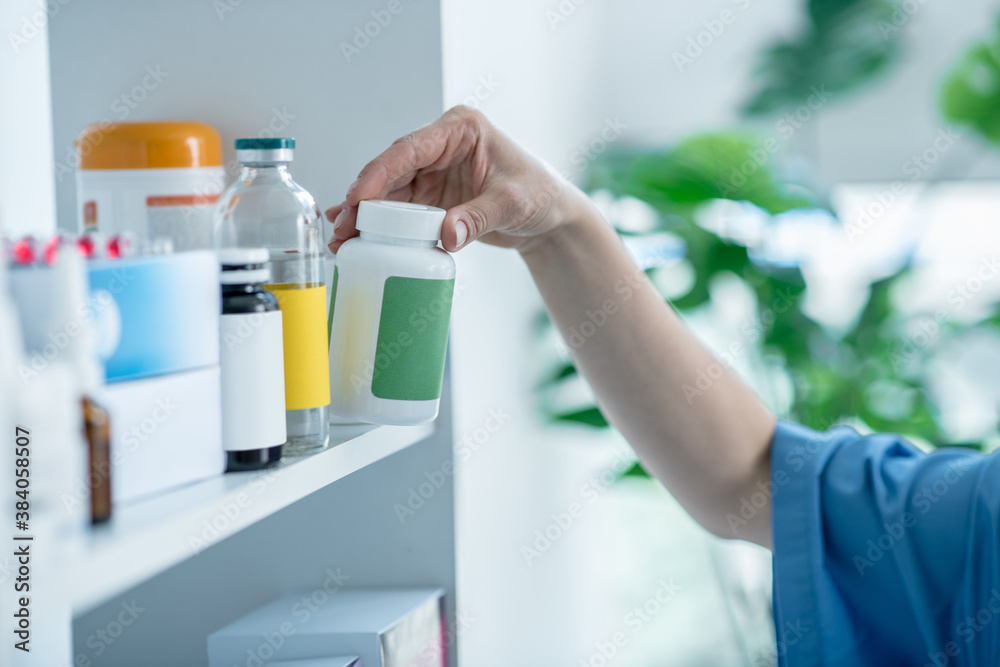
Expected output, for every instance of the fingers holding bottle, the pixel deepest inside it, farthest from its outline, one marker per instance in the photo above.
(491, 187)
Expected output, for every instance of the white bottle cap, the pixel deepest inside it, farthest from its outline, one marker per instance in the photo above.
(244, 265)
(401, 220)
(242, 256)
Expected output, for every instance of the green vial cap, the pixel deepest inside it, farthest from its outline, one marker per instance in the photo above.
(265, 143)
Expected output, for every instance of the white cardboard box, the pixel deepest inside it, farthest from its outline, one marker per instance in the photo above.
(384, 627)
(166, 431)
(339, 661)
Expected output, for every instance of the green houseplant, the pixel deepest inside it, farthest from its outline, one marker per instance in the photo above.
(829, 372)
(875, 371)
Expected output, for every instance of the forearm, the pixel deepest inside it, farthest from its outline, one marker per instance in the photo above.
(710, 450)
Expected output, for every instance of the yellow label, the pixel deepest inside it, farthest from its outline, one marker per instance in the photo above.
(307, 360)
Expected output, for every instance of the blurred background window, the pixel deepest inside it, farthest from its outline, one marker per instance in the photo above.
(815, 185)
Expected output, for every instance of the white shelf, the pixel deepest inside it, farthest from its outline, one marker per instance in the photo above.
(149, 536)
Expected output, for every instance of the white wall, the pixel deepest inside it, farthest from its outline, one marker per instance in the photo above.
(555, 86)
(27, 202)
(249, 68)
(666, 98)
(863, 135)
(870, 135)
(542, 95)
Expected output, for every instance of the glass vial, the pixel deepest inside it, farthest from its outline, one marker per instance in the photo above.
(390, 310)
(97, 433)
(252, 360)
(265, 208)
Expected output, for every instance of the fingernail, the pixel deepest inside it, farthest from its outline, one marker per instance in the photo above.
(340, 218)
(352, 187)
(461, 233)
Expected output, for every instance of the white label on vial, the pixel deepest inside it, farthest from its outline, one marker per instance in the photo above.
(253, 381)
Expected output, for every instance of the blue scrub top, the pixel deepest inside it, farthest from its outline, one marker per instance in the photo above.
(884, 554)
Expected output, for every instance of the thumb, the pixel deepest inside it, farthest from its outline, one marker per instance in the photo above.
(466, 222)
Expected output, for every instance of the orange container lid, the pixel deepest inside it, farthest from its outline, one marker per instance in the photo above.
(153, 145)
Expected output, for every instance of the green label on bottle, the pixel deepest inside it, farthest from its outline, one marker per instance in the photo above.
(333, 302)
(412, 339)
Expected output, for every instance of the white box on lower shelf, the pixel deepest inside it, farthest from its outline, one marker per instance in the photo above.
(339, 661)
(385, 627)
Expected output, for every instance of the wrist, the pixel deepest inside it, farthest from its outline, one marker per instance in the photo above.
(573, 218)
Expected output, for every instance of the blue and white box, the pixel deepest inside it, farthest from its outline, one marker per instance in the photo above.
(156, 314)
(156, 325)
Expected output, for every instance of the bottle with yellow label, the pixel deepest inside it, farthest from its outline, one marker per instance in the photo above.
(266, 208)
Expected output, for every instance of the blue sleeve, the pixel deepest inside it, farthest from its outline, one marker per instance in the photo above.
(884, 554)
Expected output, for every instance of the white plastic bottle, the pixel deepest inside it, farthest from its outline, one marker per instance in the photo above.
(390, 307)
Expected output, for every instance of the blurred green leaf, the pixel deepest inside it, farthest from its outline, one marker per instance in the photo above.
(716, 165)
(637, 471)
(843, 44)
(970, 94)
(849, 374)
(587, 416)
(560, 373)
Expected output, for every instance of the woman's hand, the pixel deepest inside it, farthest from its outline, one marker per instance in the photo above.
(632, 348)
(493, 189)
